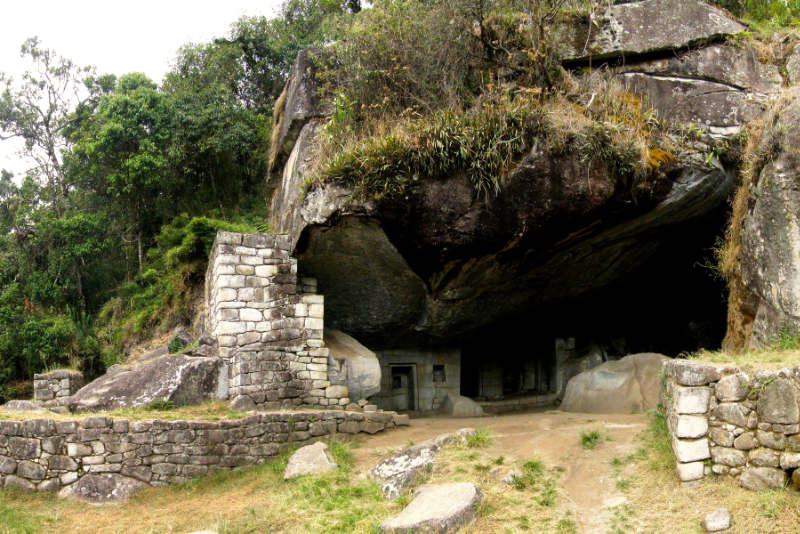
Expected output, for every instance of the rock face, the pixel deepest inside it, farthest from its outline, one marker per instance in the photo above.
(351, 364)
(648, 27)
(440, 262)
(460, 406)
(102, 488)
(178, 378)
(310, 460)
(769, 261)
(628, 385)
(399, 471)
(437, 508)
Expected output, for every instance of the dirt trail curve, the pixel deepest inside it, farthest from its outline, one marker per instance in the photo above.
(589, 481)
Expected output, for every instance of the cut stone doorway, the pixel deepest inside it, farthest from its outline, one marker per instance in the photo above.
(404, 387)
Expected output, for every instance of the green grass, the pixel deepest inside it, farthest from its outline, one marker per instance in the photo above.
(11, 521)
(590, 439)
(479, 439)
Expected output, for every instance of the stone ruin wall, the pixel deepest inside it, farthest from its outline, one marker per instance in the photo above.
(735, 422)
(46, 455)
(269, 329)
(52, 387)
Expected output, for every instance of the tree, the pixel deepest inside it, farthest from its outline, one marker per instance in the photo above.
(120, 154)
(38, 112)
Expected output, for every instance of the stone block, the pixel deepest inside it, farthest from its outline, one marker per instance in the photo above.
(689, 373)
(690, 471)
(760, 478)
(721, 437)
(763, 457)
(731, 412)
(732, 388)
(778, 402)
(691, 400)
(728, 456)
(691, 426)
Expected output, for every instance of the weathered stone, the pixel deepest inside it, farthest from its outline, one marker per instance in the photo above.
(458, 406)
(310, 460)
(731, 412)
(745, 441)
(7, 465)
(177, 378)
(691, 373)
(102, 488)
(771, 440)
(692, 426)
(720, 437)
(639, 28)
(760, 478)
(631, 384)
(17, 483)
(790, 460)
(717, 521)
(728, 456)
(437, 508)
(21, 406)
(336, 392)
(691, 400)
(400, 470)
(30, 470)
(24, 448)
(732, 388)
(690, 471)
(763, 457)
(779, 402)
(353, 365)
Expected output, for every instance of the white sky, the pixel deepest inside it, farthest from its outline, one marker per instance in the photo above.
(116, 37)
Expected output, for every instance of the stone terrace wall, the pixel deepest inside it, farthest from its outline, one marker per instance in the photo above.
(56, 385)
(734, 422)
(269, 332)
(45, 455)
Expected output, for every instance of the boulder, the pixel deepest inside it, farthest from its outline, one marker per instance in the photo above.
(769, 260)
(351, 364)
(178, 378)
(437, 508)
(640, 28)
(459, 406)
(399, 471)
(312, 459)
(760, 478)
(631, 384)
(779, 402)
(102, 488)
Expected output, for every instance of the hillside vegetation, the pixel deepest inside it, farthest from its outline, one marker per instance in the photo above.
(104, 241)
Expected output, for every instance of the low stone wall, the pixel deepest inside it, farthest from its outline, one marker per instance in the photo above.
(45, 455)
(734, 422)
(56, 385)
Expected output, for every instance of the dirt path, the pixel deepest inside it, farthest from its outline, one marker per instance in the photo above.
(589, 481)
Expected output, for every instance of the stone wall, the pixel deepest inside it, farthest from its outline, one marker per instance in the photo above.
(733, 421)
(270, 331)
(435, 374)
(56, 385)
(45, 455)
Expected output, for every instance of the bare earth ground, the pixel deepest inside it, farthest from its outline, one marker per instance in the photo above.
(624, 484)
(588, 482)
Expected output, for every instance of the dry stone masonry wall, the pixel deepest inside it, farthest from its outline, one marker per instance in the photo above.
(56, 385)
(269, 328)
(733, 421)
(46, 455)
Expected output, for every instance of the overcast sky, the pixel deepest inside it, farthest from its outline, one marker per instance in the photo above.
(116, 37)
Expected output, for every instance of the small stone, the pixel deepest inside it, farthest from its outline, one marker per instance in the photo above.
(727, 456)
(721, 437)
(717, 520)
(370, 408)
(763, 457)
(745, 442)
(363, 402)
(732, 413)
(732, 388)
